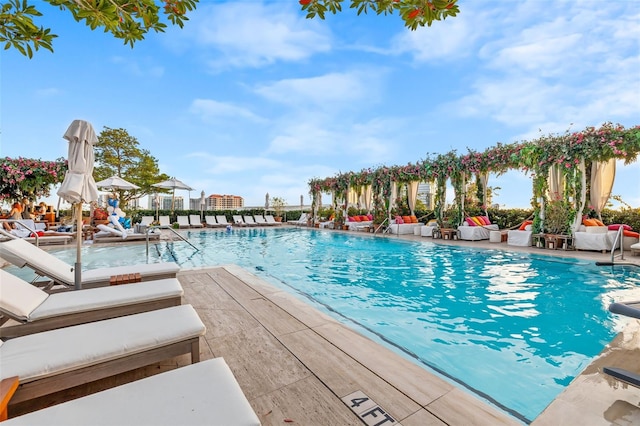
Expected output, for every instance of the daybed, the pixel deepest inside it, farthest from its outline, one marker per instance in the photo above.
(427, 230)
(600, 238)
(356, 223)
(521, 237)
(84, 353)
(204, 393)
(34, 310)
(21, 254)
(476, 231)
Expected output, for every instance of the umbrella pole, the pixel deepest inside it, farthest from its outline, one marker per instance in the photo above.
(77, 268)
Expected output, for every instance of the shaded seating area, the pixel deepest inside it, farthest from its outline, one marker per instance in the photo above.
(184, 396)
(44, 264)
(28, 309)
(521, 237)
(109, 347)
(595, 235)
(404, 225)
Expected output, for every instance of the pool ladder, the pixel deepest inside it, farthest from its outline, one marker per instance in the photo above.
(619, 243)
(179, 235)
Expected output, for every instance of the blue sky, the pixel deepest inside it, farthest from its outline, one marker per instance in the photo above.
(251, 97)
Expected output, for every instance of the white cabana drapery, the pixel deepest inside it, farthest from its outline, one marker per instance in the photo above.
(412, 195)
(368, 198)
(556, 182)
(484, 181)
(603, 175)
(392, 197)
(583, 196)
(79, 186)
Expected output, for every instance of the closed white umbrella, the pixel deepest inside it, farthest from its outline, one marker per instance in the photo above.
(116, 182)
(79, 186)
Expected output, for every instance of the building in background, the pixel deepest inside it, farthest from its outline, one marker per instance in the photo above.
(426, 194)
(222, 202)
(165, 202)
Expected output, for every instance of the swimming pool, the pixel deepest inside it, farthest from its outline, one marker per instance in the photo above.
(512, 327)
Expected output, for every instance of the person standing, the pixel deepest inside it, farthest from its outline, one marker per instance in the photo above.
(26, 207)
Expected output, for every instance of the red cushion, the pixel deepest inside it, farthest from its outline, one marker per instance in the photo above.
(470, 221)
(351, 219)
(399, 220)
(485, 219)
(369, 216)
(616, 226)
(524, 224)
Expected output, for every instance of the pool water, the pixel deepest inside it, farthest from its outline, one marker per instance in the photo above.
(514, 328)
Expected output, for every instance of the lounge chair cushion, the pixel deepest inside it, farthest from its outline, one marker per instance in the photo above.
(82, 301)
(17, 298)
(202, 393)
(21, 253)
(31, 357)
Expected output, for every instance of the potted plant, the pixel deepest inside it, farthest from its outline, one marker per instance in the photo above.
(278, 205)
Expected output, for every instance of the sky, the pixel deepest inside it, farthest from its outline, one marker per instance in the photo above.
(250, 97)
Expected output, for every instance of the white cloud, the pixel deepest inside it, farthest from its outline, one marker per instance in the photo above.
(253, 34)
(211, 110)
(325, 91)
(221, 165)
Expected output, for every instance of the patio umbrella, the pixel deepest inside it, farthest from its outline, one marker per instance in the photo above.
(79, 186)
(266, 203)
(173, 184)
(116, 182)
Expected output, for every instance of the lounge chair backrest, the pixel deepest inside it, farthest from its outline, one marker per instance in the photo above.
(18, 298)
(21, 253)
(259, 219)
(248, 219)
(238, 219)
(146, 220)
(164, 221)
(210, 220)
(194, 219)
(269, 218)
(222, 220)
(183, 220)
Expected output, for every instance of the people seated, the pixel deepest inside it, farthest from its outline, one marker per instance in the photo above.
(14, 214)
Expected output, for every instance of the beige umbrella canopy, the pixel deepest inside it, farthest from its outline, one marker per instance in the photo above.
(116, 182)
(173, 184)
(79, 186)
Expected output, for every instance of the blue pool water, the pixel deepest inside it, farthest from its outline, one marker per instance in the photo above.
(513, 327)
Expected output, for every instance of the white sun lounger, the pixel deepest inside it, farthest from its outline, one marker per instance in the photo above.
(164, 221)
(60, 359)
(205, 393)
(271, 220)
(21, 254)
(248, 220)
(222, 220)
(194, 221)
(238, 220)
(212, 222)
(183, 221)
(260, 220)
(34, 310)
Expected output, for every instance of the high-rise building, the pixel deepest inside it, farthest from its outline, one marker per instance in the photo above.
(223, 202)
(426, 194)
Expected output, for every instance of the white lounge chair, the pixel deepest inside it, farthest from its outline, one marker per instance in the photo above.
(194, 220)
(260, 220)
(146, 220)
(222, 220)
(211, 222)
(34, 310)
(84, 353)
(44, 264)
(238, 220)
(25, 229)
(164, 221)
(197, 394)
(183, 221)
(302, 221)
(248, 220)
(271, 220)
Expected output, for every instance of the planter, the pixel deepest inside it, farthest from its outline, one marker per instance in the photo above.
(278, 218)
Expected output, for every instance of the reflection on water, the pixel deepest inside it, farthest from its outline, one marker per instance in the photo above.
(514, 326)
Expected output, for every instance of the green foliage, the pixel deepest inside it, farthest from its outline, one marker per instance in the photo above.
(414, 13)
(127, 20)
(278, 204)
(557, 217)
(30, 178)
(118, 153)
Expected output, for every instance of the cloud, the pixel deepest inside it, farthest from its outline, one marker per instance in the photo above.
(211, 110)
(221, 165)
(324, 91)
(253, 34)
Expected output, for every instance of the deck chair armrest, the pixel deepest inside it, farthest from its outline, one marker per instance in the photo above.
(8, 387)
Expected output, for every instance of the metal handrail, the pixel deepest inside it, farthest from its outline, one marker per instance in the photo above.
(619, 239)
(152, 227)
(375, 230)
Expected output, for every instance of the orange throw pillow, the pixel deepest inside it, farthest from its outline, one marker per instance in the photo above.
(413, 219)
(406, 219)
(631, 234)
(589, 222)
(599, 222)
(477, 221)
(524, 224)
